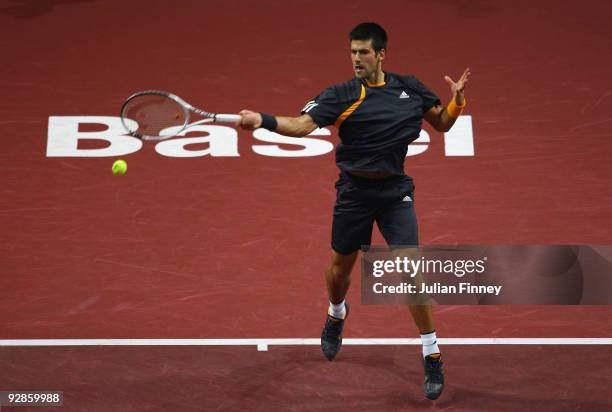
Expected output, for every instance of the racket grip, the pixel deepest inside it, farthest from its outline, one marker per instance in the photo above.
(227, 118)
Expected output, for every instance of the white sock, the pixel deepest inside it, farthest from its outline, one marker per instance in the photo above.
(430, 344)
(338, 311)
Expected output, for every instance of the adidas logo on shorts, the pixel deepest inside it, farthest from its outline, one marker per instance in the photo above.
(407, 199)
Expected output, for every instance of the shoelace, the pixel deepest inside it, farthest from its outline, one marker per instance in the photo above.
(334, 328)
(434, 371)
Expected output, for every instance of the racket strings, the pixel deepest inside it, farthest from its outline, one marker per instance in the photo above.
(155, 114)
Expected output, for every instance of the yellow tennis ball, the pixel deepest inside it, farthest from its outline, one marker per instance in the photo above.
(119, 167)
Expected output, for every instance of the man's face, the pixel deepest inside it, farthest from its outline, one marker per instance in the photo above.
(365, 60)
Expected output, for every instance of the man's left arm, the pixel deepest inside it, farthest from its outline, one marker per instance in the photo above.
(443, 118)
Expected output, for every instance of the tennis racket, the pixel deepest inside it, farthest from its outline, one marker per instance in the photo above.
(158, 115)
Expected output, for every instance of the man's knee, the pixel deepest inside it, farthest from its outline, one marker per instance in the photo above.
(342, 265)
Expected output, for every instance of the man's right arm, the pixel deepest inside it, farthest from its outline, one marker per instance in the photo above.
(287, 126)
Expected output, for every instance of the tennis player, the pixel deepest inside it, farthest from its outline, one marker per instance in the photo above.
(377, 114)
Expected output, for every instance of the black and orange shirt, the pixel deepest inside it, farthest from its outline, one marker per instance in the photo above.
(375, 122)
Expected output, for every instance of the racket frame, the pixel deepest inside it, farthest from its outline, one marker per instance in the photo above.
(187, 108)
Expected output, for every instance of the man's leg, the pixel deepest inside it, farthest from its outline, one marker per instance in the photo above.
(338, 275)
(423, 318)
(351, 228)
(397, 223)
(338, 278)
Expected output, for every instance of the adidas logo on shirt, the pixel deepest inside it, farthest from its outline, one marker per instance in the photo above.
(407, 199)
(404, 95)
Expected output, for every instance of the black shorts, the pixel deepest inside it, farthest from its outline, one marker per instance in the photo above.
(361, 201)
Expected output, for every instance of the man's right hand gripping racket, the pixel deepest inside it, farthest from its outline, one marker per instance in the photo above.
(158, 115)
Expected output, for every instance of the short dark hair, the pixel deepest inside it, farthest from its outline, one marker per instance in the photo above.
(370, 31)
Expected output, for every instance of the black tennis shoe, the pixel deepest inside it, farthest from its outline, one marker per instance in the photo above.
(331, 337)
(434, 377)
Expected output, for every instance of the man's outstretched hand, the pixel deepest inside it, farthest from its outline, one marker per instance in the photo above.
(458, 87)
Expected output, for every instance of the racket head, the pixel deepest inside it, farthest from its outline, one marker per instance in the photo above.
(154, 115)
